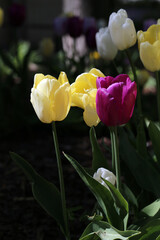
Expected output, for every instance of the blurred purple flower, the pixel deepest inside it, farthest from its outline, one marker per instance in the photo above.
(89, 22)
(75, 26)
(60, 26)
(91, 37)
(148, 22)
(17, 14)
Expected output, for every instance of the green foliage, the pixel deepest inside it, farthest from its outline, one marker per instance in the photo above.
(154, 133)
(113, 204)
(145, 173)
(46, 193)
(104, 231)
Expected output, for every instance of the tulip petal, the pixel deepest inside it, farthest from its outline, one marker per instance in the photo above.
(41, 105)
(62, 101)
(90, 116)
(62, 78)
(48, 87)
(96, 72)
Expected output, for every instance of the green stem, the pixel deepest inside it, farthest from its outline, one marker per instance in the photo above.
(112, 148)
(158, 94)
(139, 104)
(115, 149)
(61, 180)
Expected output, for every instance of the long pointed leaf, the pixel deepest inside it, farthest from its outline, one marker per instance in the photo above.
(46, 193)
(101, 193)
(105, 231)
(120, 202)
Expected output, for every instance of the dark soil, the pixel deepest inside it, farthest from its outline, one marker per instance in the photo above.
(21, 217)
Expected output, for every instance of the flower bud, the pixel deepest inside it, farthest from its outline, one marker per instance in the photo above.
(106, 174)
(60, 26)
(51, 98)
(105, 45)
(122, 30)
(1, 16)
(75, 26)
(115, 99)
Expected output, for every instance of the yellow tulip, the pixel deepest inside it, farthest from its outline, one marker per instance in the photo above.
(149, 47)
(84, 95)
(51, 98)
(1, 16)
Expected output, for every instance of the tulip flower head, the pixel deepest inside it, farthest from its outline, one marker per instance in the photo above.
(84, 95)
(105, 46)
(106, 174)
(122, 30)
(149, 47)
(115, 99)
(1, 16)
(51, 98)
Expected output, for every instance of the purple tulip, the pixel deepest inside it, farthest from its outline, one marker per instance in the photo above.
(91, 37)
(17, 14)
(115, 99)
(89, 22)
(75, 26)
(60, 26)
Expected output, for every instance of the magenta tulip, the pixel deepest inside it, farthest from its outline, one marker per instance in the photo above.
(115, 99)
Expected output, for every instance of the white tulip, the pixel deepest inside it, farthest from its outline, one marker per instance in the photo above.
(106, 174)
(105, 45)
(122, 30)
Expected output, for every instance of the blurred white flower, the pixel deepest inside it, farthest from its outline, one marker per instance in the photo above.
(105, 46)
(122, 30)
(106, 174)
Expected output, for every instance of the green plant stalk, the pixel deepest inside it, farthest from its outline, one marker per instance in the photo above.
(112, 149)
(139, 104)
(158, 94)
(115, 153)
(61, 180)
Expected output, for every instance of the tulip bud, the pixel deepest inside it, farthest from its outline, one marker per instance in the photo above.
(1, 16)
(105, 45)
(60, 26)
(51, 98)
(115, 99)
(106, 174)
(75, 26)
(84, 95)
(47, 47)
(149, 47)
(122, 30)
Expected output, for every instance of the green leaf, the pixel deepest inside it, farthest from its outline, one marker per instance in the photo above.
(154, 133)
(152, 209)
(130, 197)
(44, 192)
(105, 231)
(102, 194)
(121, 203)
(146, 175)
(150, 231)
(158, 238)
(98, 158)
(141, 138)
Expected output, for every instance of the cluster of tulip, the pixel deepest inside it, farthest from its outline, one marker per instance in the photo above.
(103, 98)
(76, 26)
